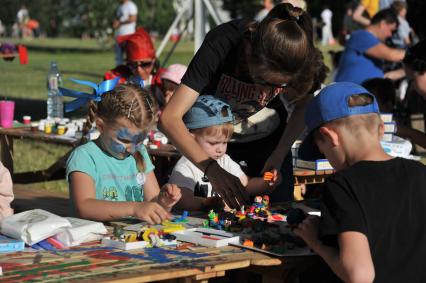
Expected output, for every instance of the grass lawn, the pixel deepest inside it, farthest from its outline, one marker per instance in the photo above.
(29, 81)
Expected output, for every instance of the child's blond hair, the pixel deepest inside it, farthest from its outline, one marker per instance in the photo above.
(357, 123)
(226, 129)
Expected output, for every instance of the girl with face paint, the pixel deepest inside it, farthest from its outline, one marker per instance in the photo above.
(112, 177)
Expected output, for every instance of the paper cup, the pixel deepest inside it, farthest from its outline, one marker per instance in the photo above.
(34, 126)
(26, 120)
(7, 109)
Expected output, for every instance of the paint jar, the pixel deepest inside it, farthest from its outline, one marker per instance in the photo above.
(26, 120)
(48, 128)
(41, 125)
(61, 130)
(34, 126)
(157, 142)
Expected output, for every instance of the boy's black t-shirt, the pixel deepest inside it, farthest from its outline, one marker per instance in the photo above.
(386, 201)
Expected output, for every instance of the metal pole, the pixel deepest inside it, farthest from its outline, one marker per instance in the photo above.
(172, 28)
(213, 12)
(199, 24)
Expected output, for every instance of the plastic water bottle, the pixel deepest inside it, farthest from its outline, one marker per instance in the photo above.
(55, 106)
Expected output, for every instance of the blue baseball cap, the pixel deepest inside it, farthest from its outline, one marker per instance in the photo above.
(208, 111)
(330, 104)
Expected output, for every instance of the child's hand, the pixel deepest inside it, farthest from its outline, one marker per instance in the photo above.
(308, 230)
(169, 195)
(151, 212)
(272, 177)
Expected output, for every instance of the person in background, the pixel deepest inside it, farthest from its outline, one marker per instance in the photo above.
(170, 80)
(384, 4)
(141, 63)
(365, 11)
(415, 67)
(385, 93)
(401, 38)
(349, 25)
(297, 3)
(327, 31)
(113, 177)
(267, 6)
(266, 71)
(22, 18)
(6, 192)
(373, 209)
(123, 24)
(210, 122)
(365, 50)
(2, 29)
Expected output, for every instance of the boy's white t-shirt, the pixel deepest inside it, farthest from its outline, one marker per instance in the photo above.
(124, 12)
(186, 174)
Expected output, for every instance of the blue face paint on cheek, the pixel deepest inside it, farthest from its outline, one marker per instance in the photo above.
(117, 147)
(133, 139)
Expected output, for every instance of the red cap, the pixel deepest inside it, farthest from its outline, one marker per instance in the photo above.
(138, 45)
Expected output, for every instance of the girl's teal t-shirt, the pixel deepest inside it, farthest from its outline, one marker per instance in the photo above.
(115, 179)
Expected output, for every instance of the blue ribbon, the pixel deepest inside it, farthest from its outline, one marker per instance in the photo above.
(137, 80)
(83, 97)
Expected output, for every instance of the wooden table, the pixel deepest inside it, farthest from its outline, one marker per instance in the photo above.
(91, 262)
(162, 157)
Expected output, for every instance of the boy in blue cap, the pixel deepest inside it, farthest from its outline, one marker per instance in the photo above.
(210, 121)
(374, 207)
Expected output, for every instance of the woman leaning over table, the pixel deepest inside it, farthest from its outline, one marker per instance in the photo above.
(252, 65)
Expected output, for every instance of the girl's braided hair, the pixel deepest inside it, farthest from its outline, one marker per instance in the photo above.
(128, 101)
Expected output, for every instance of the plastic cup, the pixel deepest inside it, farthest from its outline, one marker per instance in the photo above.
(34, 126)
(61, 130)
(26, 120)
(7, 109)
(48, 128)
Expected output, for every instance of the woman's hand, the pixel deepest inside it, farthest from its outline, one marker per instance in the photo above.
(273, 162)
(169, 195)
(273, 177)
(213, 203)
(151, 212)
(226, 185)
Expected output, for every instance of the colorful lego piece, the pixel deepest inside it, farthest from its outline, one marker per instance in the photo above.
(268, 176)
(248, 243)
(181, 219)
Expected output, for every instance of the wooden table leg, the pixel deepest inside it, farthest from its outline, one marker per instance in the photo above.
(7, 152)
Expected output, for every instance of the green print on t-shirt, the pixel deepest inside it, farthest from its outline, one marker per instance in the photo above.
(134, 193)
(110, 193)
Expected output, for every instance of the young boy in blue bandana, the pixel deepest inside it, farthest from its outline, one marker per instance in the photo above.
(210, 122)
(374, 207)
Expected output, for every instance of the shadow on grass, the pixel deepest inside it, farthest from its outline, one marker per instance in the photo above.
(53, 204)
(37, 109)
(62, 49)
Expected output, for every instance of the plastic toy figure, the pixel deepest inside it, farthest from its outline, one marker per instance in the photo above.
(118, 232)
(181, 219)
(265, 201)
(257, 201)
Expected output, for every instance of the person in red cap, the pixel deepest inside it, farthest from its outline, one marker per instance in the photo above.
(141, 62)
